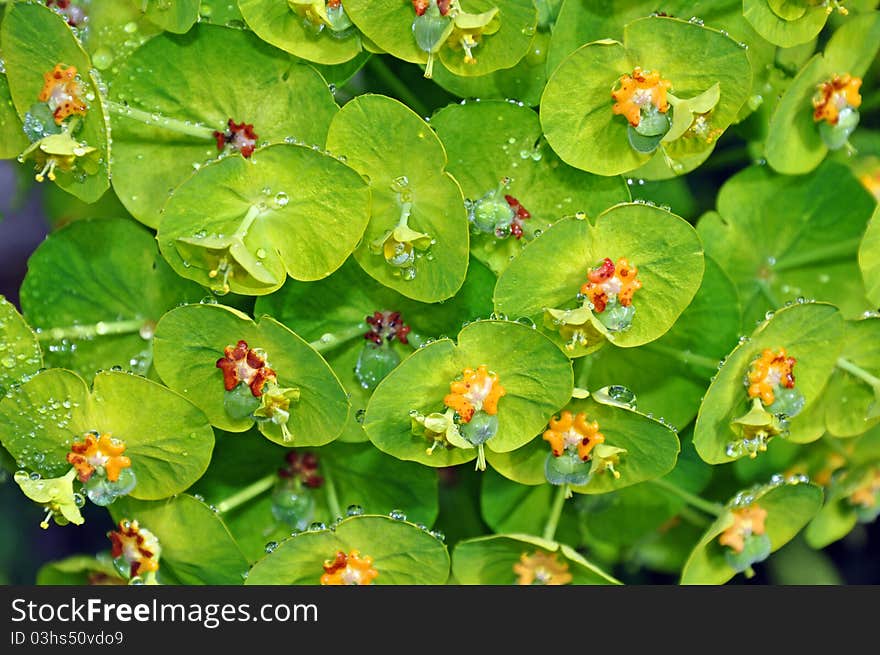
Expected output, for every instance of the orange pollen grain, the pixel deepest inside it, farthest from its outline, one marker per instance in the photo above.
(573, 431)
(637, 91)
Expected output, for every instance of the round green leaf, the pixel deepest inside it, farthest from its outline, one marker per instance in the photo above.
(100, 312)
(176, 77)
(12, 138)
(669, 376)
(869, 258)
(785, 32)
(339, 305)
(171, 15)
(811, 333)
(80, 570)
(197, 548)
(404, 161)
(651, 449)
(789, 508)
(167, 439)
(490, 560)
(20, 353)
(804, 248)
(189, 341)
(113, 31)
(402, 553)
(35, 39)
(852, 404)
(270, 217)
(535, 375)
(488, 141)
(278, 23)
(552, 269)
(587, 135)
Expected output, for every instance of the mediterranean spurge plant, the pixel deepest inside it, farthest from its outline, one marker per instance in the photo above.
(304, 318)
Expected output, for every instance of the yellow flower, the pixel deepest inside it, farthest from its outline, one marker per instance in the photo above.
(770, 371)
(746, 521)
(95, 453)
(541, 568)
(55, 494)
(351, 569)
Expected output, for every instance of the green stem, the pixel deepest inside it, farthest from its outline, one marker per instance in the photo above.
(691, 499)
(555, 512)
(329, 341)
(380, 69)
(332, 498)
(833, 252)
(99, 329)
(148, 118)
(686, 357)
(692, 517)
(764, 288)
(248, 493)
(863, 375)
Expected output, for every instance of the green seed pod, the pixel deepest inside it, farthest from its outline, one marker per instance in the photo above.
(374, 363)
(755, 549)
(240, 402)
(568, 468)
(480, 429)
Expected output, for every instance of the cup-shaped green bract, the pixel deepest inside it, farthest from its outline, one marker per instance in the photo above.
(12, 138)
(789, 506)
(669, 376)
(196, 546)
(325, 35)
(576, 108)
(110, 320)
(852, 402)
(647, 449)
(404, 162)
(535, 375)
(167, 439)
(812, 334)
(804, 247)
(80, 570)
(389, 24)
(339, 307)
(869, 258)
(20, 353)
(401, 553)
(551, 271)
(35, 40)
(786, 23)
(191, 339)
(488, 142)
(176, 78)
(794, 143)
(269, 217)
(496, 560)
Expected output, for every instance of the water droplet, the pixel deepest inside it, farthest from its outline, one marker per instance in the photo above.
(271, 546)
(397, 515)
(281, 199)
(354, 510)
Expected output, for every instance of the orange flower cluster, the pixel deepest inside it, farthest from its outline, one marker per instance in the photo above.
(746, 521)
(638, 90)
(477, 390)
(839, 92)
(137, 545)
(770, 371)
(93, 452)
(351, 569)
(243, 364)
(573, 431)
(866, 495)
(541, 568)
(608, 280)
(63, 93)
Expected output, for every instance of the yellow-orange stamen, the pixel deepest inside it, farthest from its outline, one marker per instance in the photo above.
(769, 372)
(746, 521)
(91, 453)
(541, 568)
(478, 390)
(637, 91)
(571, 432)
(350, 569)
(839, 92)
(63, 93)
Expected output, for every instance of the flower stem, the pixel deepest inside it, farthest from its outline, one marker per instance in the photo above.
(247, 494)
(157, 120)
(709, 507)
(555, 512)
(380, 69)
(329, 341)
(833, 252)
(686, 357)
(330, 492)
(863, 375)
(99, 329)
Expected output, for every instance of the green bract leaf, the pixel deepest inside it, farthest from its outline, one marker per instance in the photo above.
(786, 28)
(191, 339)
(669, 376)
(499, 43)
(197, 548)
(112, 30)
(168, 101)
(804, 248)
(20, 353)
(270, 216)
(644, 449)
(333, 312)
(401, 553)
(80, 570)
(869, 258)
(490, 141)
(171, 15)
(168, 440)
(552, 271)
(12, 138)
(35, 40)
(534, 374)
(494, 560)
(100, 311)
(795, 143)
(576, 109)
(811, 333)
(306, 28)
(789, 507)
(404, 161)
(852, 397)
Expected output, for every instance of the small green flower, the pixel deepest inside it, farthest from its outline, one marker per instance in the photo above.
(60, 151)
(275, 407)
(55, 494)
